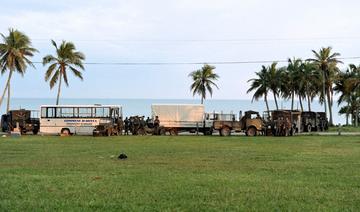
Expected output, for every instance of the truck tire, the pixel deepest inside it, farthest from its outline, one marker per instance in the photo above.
(162, 131)
(309, 128)
(35, 132)
(251, 131)
(173, 132)
(141, 132)
(225, 131)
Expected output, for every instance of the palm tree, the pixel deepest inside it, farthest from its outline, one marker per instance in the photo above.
(66, 58)
(275, 81)
(15, 53)
(326, 62)
(203, 80)
(310, 82)
(293, 71)
(260, 85)
(345, 90)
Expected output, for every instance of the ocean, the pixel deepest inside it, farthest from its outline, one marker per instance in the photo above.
(143, 106)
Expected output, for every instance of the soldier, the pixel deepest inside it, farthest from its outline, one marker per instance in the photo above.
(120, 126)
(156, 125)
(126, 123)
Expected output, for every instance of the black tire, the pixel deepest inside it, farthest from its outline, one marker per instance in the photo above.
(65, 132)
(251, 131)
(173, 132)
(225, 131)
(141, 132)
(309, 128)
(162, 131)
(35, 132)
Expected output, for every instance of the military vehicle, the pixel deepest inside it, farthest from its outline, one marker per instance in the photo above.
(25, 120)
(283, 123)
(176, 118)
(251, 123)
(313, 121)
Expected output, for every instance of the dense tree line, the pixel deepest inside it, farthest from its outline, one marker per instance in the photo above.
(318, 77)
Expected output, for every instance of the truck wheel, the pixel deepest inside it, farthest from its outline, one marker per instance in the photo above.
(141, 132)
(35, 132)
(225, 131)
(173, 132)
(251, 131)
(309, 128)
(162, 131)
(65, 132)
(208, 132)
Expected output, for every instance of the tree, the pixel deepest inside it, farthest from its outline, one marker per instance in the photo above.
(203, 80)
(15, 53)
(260, 85)
(347, 85)
(326, 62)
(66, 58)
(293, 81)
(274, 81)
(310, 82)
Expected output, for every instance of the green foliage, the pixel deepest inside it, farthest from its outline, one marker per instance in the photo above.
(185, 173)
(66, 58)
(203, 81)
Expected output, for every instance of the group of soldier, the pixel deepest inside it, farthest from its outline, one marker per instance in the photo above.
(138, 125)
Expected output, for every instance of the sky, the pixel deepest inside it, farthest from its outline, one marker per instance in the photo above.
(175, 31)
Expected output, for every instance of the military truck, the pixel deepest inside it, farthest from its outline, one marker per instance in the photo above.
(176, 118)
(284, 122)
(313, 121)
(25, 120)
(251, 123)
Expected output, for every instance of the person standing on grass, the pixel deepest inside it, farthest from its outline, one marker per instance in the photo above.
(126, 123)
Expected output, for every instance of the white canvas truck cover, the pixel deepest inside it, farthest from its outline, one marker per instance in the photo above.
(179, 115)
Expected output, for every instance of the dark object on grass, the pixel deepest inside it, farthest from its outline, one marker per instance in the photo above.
(122, 156)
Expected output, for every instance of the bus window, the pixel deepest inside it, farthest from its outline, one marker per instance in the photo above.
(85, 112)
(43, 112)
(106, 112)
(51, 112)
(66, 112)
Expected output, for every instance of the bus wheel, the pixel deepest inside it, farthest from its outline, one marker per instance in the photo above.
(225, 131)
(251, 131)
(65, 132)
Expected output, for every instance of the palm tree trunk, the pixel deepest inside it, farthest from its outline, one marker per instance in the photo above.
(8, 99)
(309, 104)
(347, 113)
(59, 90)
(277, 107)
(292, 100)
(266, 102)
(324, 95)
(330, 110)
(301, 105)
(202, 100)
(6, 87)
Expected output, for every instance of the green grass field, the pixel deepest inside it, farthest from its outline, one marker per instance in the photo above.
(184, 173)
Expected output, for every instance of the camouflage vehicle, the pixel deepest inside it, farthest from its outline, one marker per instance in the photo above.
(26, 120)
(322, 123)
(313, 121)
(251, 123)
(284, 123)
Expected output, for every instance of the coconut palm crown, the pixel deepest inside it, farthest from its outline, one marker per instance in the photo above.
(66, 58)
(15, 53)
(203, 81)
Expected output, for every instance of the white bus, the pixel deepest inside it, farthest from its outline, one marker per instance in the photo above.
(76, 119)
